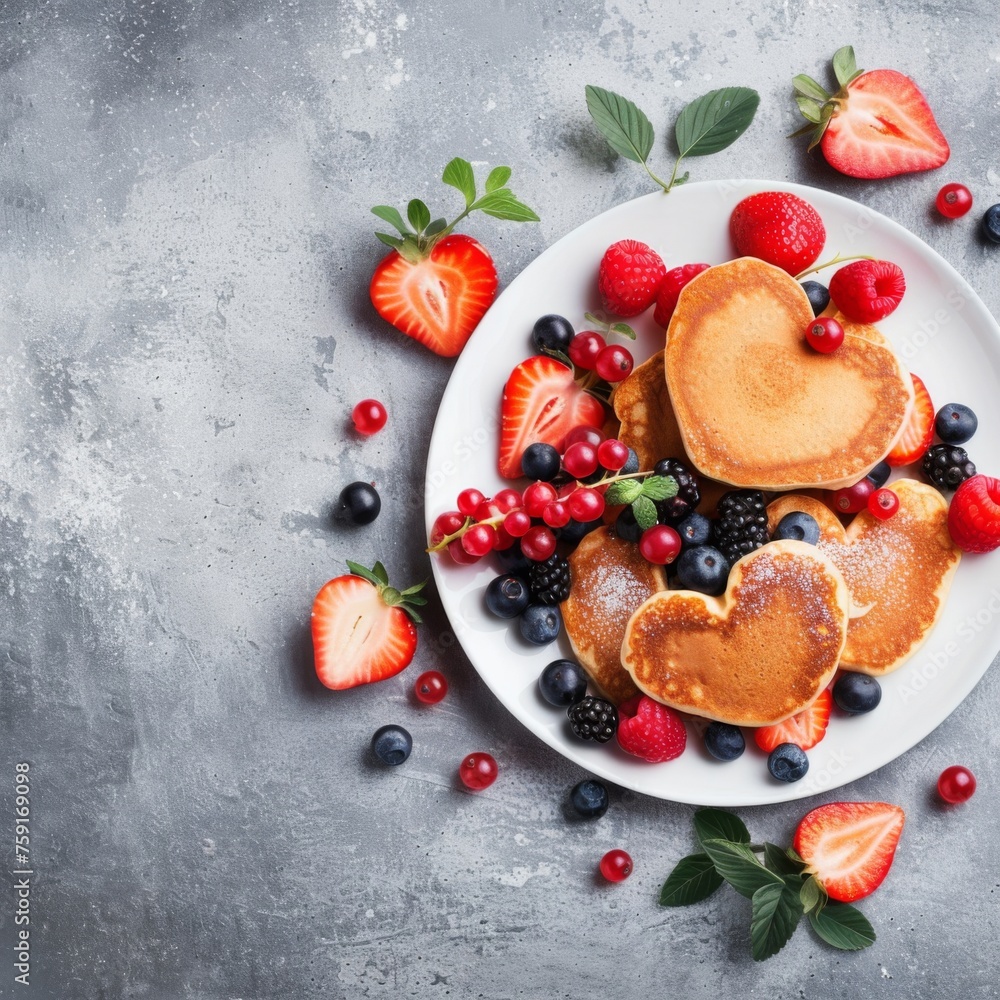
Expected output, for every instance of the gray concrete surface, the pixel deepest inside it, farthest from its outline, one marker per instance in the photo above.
(185, 248)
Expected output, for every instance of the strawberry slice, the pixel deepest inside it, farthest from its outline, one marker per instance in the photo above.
(850, 845)
(363, 629)
(919, 431)
(805, 729)
(541, 402)
(438, 299)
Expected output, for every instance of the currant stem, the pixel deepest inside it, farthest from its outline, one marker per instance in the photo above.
(829, 263)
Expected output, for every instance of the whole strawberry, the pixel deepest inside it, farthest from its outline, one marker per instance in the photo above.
(670, 290)
(629, 277)
(779, 228)
(974, 515)
(650, 730)
(868, 290)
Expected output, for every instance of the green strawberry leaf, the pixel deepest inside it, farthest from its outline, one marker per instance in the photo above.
(435, 227)
(503, 205)
(380, 571)
(623, 330)
(659, 487)
(810, 109)
(390, 241)
(808, 87)
(692, 880)
(717, 824)
(497, 178)
(624, 491)
(626, 128)
(812, 895)
(366, 574)
(845, 67)
(739, 866)
(391, 215)
(780, 863)
(418, 214)
(775, 914)
(458, 174)
(715, 120)
(843, 926)
(644, 511)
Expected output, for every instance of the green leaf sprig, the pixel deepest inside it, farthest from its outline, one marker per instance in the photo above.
(779, 885)
(816, 105)
(707, 125)
(416, 240)
(407, 600)
(641, 495)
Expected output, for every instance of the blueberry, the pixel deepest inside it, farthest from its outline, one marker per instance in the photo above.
(799, 526)
(540, 623)
(788, 762)
(724, 742)
(991, 224)
(562, 683)
(552, 333)
(626, 526)
(392, 745)
(507, 596)
(359, 504)
(575, 530)
(955, 423)
(695, 529)
(632, 465)
(857, 693)
(819, 295)
(514, 561)
(880, 474)
(540, 461)
(590, 799)
(704, 569)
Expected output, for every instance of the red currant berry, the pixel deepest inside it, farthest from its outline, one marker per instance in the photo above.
(507, 500)
(486, 511)
(538, 543)
(580, 460)
(953, 201)
(956, 784)
(660, 544)
(853, 498)
(478, 771)
(504, 539)
(585, 505)
(369, 416)
(459, 555)
(536, 497)
(584, 349)
(431, 687)
(556, 514)
(584, 433)
(479, 539)
(616, 866)
(824, 334)
(612, 454)
(516, 523)
(468, 501)
(446, 524)
(883, 504)
(614, 363)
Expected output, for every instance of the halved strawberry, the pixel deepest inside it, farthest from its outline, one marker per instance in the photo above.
(439, 299)
(850, 845)
(919, 431)
(541, 402)
(805, 729)
(362, 629)
(878, 124)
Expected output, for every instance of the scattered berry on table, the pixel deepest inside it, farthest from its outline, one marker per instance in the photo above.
(392, 745)
(919, 430)
(627, 527)
(824, 334)
(585, 348)
(562, 683)
(650, 730)
(695, 529)
(818, 295)
(540, 624)
(953, 201)
(359, 503)
(552, 333)
(549, 580)
(507, 596)
(974, 515)
(947, 466)
(369, 416)
(612, 454)
(780, 228)
(956, 784)
(430, 687)
(955, 423)
(688, 494)
(616, 866)
(589, 798)
(660, 544)
(787, 762)
(804, 729)
(991, 223)
(580, 460)
(538, 543)
(798, 526)
(852, 499)
(670, 289)
(867, 291)
(704, 569)
(724, 742)
(883, 503)
(478, 771)
(741, 526)
(593, 719)
(614, 363)
(856, 693)
(540, 461)
(880, 474)
(629, 277)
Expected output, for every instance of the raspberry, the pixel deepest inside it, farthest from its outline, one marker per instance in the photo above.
(868, 290)
(974, 515)
(779, 228)
(650, 730)
(629, 277)
(670, 290)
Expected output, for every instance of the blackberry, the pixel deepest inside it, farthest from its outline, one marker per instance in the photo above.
(549, 580)
(742, 523)
(593, 719)
(947, 466)
(688, 495)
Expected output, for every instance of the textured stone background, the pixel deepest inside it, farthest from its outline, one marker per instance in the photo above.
(185, 248)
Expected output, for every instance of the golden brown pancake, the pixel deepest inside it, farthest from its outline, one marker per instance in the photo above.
(610, 579)
(756, 406)
(899, 569)
(758, 654)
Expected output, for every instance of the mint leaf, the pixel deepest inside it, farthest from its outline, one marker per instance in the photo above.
(624, 491)
(775, 914)
(693, 880)
(845, 67)
(715, 120)
(644, 511)
(458, 173)
(812, 895)
(844, 927)
(418, 214)
(625, 127)
(739, 866)
(660, 487)
(808, 87)
(497, 178)
(779, 862)
(389, 214)
(503, 205)
(717, 824)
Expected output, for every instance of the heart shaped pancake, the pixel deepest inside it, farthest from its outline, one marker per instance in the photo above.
(756, 406)
(899, 569)
(753, 657)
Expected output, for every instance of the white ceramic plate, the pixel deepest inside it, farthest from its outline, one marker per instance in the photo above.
(942, 331)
